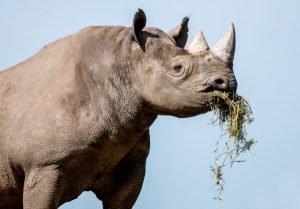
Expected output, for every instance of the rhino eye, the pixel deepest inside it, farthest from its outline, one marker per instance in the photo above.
(177, 68)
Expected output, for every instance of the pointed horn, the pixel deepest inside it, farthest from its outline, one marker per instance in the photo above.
(224, 49)
(198, 44)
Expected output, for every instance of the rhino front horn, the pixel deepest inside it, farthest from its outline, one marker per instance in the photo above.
(198, 44)
(224, 49)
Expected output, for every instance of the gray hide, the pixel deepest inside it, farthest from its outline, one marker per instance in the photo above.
(75, 117)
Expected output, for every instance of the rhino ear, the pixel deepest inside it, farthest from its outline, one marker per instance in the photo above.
(180, 33)
(139, 22)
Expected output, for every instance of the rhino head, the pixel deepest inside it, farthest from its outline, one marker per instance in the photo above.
(179, 81)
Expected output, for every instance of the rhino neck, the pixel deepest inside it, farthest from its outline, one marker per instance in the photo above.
(106, 73)
(115, 114)
(116, 104)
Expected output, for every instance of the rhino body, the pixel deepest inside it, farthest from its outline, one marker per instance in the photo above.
(75, 117)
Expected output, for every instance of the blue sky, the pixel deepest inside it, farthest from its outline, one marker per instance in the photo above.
(266, 67)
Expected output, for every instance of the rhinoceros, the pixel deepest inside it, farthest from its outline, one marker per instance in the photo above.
(75, 117)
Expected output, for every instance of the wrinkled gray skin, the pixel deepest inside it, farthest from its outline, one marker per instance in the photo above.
(75, 117)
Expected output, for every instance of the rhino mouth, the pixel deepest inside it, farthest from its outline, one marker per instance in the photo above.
(211, 89)
(207, 97)
(212, 98)
(208, 89)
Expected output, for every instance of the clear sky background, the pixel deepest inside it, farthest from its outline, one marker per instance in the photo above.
(267, 69)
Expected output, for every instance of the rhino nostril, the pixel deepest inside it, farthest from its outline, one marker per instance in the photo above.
(220, 84)
(219, 81)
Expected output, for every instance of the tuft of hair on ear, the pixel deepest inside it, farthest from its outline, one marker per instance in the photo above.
(184, 23)
(139, 22)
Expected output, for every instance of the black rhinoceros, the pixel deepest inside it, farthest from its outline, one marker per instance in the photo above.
(75, 117)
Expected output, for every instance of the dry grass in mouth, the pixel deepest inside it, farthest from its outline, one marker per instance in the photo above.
(232, 112)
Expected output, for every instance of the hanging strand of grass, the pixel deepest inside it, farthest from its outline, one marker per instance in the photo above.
(233, 112)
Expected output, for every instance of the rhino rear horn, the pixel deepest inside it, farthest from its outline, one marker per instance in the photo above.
(198, 44)
(139, 22)
(180, 33)
(224, 49)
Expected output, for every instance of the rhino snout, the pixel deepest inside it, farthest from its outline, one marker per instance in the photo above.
(223, 83)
